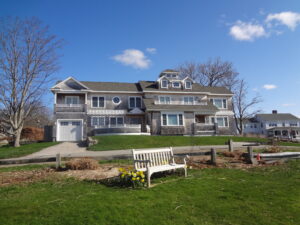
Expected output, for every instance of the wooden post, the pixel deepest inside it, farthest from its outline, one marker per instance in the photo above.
(230, 145)
(213, 155)
(58, 160)
(250, 154)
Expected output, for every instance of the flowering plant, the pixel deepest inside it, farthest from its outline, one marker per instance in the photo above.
(133, 177)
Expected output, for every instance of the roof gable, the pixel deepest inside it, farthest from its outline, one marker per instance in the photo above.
(69, 84)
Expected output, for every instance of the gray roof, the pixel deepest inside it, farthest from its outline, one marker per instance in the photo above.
(153, 86)
(277, 117)
(112, 86)
(150, 106)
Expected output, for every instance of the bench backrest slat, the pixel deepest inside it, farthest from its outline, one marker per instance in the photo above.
(158, 157)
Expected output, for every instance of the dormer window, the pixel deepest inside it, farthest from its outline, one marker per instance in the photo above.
(164, 84)
(188, 85)
(176, 84)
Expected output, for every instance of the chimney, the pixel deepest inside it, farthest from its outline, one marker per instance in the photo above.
(274, 111)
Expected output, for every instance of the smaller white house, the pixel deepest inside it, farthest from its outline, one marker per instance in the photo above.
(283, 125)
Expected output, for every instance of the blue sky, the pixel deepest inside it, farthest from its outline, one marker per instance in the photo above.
(128, 41)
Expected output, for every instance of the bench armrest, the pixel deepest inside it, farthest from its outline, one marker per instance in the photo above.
(184, 158)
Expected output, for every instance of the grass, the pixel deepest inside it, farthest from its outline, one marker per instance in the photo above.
(26, 167)
(12, 152)
(115, 142)
(268, 195)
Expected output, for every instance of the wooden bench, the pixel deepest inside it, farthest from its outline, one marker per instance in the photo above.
(156, 160)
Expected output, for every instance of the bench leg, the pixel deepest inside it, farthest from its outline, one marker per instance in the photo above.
(185, 171)
(148, 179)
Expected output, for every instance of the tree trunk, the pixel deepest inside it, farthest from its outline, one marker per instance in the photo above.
(17, 137)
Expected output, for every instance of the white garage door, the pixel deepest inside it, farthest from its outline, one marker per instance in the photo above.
(69, 130)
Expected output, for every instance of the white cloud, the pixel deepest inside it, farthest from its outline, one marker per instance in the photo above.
(134, 58)
(290, 19)
(288, 104)
(243, 31)
(269, 86)
(151, 50)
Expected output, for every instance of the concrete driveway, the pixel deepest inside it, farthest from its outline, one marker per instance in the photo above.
(65, 148)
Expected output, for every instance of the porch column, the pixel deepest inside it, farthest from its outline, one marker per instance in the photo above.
(55, 97)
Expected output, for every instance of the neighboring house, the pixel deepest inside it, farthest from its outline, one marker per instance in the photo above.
(274, 125)
(168, 106)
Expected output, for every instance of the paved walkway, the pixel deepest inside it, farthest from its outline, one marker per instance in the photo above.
(72, 150)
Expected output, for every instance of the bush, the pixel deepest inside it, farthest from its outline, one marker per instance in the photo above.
(82, 164)
(32, 134)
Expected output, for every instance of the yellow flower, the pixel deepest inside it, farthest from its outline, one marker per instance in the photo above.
(123, 175)
(134, 174)
(133, 178)
(142, 175)
(137, 178)
(142, 180)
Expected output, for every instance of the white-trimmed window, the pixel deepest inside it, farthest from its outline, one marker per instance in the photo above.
(176, 84)
(135, 102)
(293, 124)
(72, 100)
(98, 121)
(222, 121)
(98, 102)
(220, 103)
(172, 119)
(164, 83)
(188, 100)
(164, 99)
(188, 84)
(115, 121)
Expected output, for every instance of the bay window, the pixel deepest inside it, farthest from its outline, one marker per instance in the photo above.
(172, 119)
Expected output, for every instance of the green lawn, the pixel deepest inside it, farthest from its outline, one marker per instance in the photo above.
(12, 152)
(211, 196)
(115, 142)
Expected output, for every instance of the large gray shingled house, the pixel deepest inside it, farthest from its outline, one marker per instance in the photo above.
(168, 106)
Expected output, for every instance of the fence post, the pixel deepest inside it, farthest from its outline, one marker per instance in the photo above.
(250, 154)
(213, 155)
(58, 160)
(230, 145)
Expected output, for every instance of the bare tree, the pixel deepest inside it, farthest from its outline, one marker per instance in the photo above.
(211, 73)
(28, 58)
(242, 106)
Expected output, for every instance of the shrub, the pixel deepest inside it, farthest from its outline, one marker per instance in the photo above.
(32, 134)
(132, 178)
(82, 164)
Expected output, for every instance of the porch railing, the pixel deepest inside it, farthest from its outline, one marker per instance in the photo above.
(119, 126)
(70, 108)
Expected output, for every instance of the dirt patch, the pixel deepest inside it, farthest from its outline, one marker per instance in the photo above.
(20, 177)
(17, 177)
(103, 172)
(236, 159)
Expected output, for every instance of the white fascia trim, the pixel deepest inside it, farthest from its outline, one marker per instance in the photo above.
(182, 92)
(69, 79)
(224, 113)
(188, 78)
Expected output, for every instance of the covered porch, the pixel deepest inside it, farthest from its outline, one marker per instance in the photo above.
(284, 132)
(203, 124)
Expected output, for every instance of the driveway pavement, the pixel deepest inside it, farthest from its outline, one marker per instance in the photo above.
(65, 148)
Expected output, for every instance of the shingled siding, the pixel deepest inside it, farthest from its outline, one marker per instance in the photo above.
(108, 101)
(155, 123)
(189, 119)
